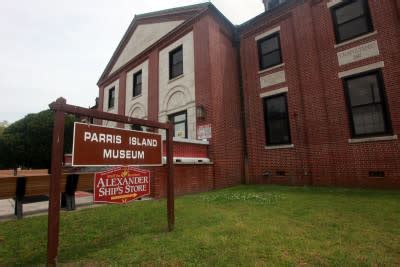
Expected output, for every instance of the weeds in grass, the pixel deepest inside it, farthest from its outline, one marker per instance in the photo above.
(260, 198)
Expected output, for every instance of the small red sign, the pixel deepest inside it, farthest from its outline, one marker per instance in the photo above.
(121, 185)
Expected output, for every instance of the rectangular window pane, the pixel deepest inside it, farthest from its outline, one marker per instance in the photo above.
(368, 120)
(111, 98)
(277, 120)
(177, 57)
(367, 105)
(363, 90)
(176, 63)
(137, 83)
(177, 70)
(139, 78)
(354, 28)
(179, 118)
(269, 45)
(351, 19)
(137, 90)
(180, 130)
(271, 59)
(269, 52)
(348, 12)
(180, 124)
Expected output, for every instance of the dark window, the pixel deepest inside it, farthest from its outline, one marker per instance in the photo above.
(367, 105)
(378, 174)
(280, 173)
(176, 63)
(111, 97)
(137, 83)
(351, 19)
(269, 51)
(179, 120)
(277, 129)
(136, 127)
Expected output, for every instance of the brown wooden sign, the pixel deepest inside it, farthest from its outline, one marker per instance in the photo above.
(89, 150)
(95, 145)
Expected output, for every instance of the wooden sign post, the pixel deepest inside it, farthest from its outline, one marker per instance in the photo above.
(153, 144)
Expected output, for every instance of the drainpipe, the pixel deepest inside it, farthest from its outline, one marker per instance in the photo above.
(245, 179)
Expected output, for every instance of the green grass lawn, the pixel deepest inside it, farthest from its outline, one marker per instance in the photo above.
(244, 225)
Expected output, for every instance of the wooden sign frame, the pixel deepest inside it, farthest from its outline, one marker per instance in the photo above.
(60, 108)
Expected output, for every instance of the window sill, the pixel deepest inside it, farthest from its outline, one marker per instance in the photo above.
(176, 78)
(189, 161)
(136, 97)
(356, 39)
(188, 141)
(373, 139)
(271, 68)
(279, 147)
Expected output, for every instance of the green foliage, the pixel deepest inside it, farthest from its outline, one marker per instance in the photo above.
(27, 142)
(3, 126)
(240, 226)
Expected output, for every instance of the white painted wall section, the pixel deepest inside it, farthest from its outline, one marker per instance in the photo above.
(144, 36)
(105, 102)
(137, 107)
(178, 94)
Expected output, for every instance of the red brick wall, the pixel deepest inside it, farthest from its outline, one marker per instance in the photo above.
(188, 179)
(319, 120)
(227, 141)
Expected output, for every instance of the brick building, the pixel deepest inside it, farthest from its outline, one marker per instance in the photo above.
(304, 93)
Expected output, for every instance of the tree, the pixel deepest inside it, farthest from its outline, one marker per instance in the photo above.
(27, 142)
(3, 126)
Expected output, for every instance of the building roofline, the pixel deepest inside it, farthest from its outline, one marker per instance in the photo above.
(284, 6)
(137, 18)
(172, 11)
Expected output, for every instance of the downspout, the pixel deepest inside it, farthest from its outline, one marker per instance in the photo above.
(245, 179)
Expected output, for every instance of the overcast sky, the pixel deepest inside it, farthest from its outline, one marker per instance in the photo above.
(53, 48)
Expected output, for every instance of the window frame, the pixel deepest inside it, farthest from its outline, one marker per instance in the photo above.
(266, 118)
(260, 55)
(173, 115)
(109, 98)
(171, 65)
(135, 84)
(367, 15)
(385, 108)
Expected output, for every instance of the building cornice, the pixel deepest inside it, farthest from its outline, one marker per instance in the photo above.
(170, 37)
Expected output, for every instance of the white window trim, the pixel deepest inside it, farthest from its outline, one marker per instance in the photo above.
(279, 147)
(373, 139)
(333, 3)
(189, 161)
(274, 92)
(271, 68)
(356, 39)
(374, 66)
(265, 34)
(188, 141)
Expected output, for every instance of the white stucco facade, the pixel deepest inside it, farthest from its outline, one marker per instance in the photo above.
(178, 94)
(105, 102)
(144, 36)
(137, 106)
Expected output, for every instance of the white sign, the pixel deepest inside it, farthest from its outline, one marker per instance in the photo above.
(272, 79)
(204, 132)
(358, 53)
